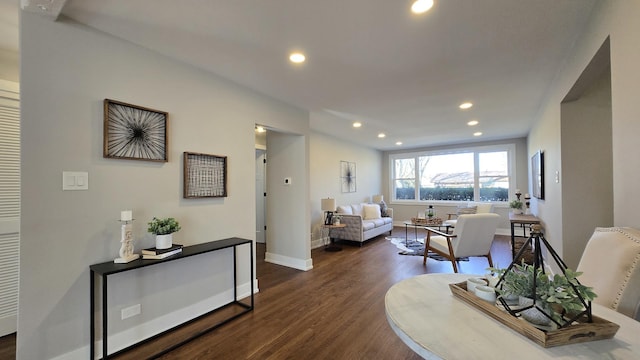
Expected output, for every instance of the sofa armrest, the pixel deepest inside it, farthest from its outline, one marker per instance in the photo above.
(353, 229)
(390, 212)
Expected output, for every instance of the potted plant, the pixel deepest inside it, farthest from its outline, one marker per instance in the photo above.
(163, 229)
(516, 205)
(556, 295)
(515, 283)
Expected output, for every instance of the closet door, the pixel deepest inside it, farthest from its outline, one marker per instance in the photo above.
(9, 205)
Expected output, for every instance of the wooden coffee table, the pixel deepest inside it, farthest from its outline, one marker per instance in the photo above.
(421, 226)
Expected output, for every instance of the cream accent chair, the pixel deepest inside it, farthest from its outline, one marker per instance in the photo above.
(480, 208)
(472, 236)
(611, 265)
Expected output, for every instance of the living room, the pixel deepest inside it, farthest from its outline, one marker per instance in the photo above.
(67, 70)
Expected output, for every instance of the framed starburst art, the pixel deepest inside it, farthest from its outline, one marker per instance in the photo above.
(134, 132)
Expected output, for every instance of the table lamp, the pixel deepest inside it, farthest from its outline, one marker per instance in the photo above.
(377, 199)
(328, 205)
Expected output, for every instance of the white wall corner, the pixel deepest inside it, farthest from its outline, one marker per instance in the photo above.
(299, 264)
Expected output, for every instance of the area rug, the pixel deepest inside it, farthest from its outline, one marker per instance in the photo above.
(416, 248)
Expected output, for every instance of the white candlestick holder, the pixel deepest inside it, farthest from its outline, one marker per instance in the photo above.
(126, 240)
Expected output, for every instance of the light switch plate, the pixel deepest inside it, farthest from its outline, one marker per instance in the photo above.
(75, 180)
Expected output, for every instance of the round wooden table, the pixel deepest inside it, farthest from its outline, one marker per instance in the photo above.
(436, 325)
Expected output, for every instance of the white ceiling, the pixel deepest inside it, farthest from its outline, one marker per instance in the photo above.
(367, 60)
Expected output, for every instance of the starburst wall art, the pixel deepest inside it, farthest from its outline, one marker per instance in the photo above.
(348, 176)
(134, 132)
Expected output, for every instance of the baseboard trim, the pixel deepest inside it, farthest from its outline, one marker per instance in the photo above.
(304, 265)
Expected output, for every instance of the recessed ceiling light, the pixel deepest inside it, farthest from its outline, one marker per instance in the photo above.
(465, 106)
(260, 129)
(479, 133)
(421, 6)
(357, 124)
(473, 123)
(297, 57)
(382, 135)
(398, 143)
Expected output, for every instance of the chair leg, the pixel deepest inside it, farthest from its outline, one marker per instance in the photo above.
(427, 242)
(489, 259)
(455, 267)
(452, 256)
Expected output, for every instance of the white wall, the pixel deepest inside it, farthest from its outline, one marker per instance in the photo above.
(67, 71)
(287, 218)
(9, 65)
(325, 156)
(617, 19)
(587, 186)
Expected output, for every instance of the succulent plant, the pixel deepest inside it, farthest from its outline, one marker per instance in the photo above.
(163, 226)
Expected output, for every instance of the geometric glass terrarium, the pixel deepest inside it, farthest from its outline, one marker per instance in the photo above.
(559, 299)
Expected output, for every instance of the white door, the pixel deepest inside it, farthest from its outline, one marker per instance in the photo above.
(9, 205)
(261, 166)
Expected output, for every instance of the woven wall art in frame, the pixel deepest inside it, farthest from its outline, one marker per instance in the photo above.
(204, 175)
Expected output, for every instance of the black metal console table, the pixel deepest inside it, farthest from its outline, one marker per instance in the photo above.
(109, 268)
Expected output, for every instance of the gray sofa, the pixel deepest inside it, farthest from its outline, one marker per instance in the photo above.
(364, 221)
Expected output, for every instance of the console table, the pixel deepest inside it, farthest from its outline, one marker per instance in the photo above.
(522, 220)
(109, 268)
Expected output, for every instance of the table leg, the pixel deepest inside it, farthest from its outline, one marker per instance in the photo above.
(332, 243)
(406, 236)
(513, 242)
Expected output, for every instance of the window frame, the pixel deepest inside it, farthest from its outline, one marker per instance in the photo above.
(476, 150)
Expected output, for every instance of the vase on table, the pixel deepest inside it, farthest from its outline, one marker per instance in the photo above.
(164, 241)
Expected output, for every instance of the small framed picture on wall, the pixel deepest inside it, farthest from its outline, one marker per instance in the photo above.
(537, 175)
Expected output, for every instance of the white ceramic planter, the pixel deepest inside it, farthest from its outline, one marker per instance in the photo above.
(533, 315)
(164, 241)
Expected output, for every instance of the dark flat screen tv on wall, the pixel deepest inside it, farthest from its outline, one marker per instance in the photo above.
(537, 175)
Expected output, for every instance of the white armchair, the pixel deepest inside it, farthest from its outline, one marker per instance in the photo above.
(472, 236)
(610, 264)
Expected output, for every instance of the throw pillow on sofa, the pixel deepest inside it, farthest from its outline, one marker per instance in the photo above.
(371, 211)
(345, 210)
(383, 209)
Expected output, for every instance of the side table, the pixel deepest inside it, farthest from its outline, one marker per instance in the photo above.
(523, 220)
(332, 244)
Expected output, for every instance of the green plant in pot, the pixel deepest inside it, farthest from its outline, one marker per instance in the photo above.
(516, 205)
(556, 295)
(515, 283)
(163, 230)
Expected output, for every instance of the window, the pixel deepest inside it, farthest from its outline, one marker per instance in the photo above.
(479, 174)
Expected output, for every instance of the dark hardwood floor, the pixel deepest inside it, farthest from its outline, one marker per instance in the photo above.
(8, 347)
(334, 311)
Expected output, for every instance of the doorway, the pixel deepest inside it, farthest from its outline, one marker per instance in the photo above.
(261, 194)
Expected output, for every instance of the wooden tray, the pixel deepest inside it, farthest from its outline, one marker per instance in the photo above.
(581, 332)
(426, 222)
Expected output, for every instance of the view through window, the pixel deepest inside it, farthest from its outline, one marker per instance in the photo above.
(471, 175)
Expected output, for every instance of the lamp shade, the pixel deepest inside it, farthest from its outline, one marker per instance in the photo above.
(328, 204)
(377, 199)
